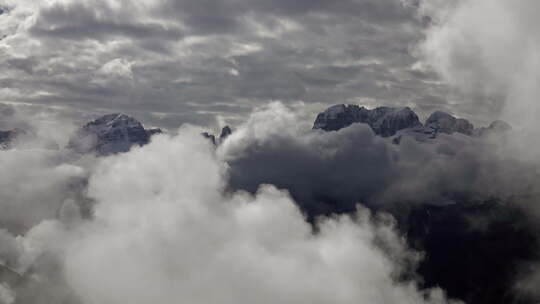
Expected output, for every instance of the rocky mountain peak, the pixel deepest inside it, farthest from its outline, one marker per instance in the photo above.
(109, 134)
(384, 121)
(446, 123)
(225, 132)
(401, 122)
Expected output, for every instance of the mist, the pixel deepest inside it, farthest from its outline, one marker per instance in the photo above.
(489, 51)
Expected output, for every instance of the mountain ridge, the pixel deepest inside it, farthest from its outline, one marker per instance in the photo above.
(399, 122)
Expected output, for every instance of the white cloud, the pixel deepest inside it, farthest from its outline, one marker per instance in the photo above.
(118, 67)
(7, 295)
(488, 49)
(165, 230)
(34, 186)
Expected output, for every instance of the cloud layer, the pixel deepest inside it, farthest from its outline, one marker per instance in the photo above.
(172, 219)
(164, 229)
(172, 62)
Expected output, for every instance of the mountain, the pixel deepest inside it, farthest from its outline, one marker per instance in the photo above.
(401, 122)
(445, 123)
(109, 134)
(211, 137)
(385, 121)
(225, 132)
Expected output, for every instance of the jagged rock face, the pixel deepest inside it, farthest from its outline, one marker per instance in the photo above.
(210, 137)
(109, 134)
(340, 116)
(402, 122)
(438, 122)
(225, 132)
(151, 132)
(385, 121)
(446, 123)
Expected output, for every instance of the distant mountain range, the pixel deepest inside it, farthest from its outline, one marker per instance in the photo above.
(116, 133)
(401, 122)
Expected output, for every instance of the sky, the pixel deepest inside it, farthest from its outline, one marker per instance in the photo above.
(209, 63)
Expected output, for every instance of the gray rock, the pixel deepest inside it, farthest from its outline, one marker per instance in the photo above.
(210, 137)
(398, 123)
(151, 132)
(446, 123)
(109, 134)
(384, 121)
(225, 132)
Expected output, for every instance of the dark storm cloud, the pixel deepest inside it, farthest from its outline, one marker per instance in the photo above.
(332, 172)
(158, 56)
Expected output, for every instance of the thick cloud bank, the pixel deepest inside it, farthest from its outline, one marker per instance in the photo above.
(182, 218)
(489, 49)
(329, 172)
(33, 187)
(163, 229)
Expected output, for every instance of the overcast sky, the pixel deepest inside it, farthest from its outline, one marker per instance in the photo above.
(209, 62)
